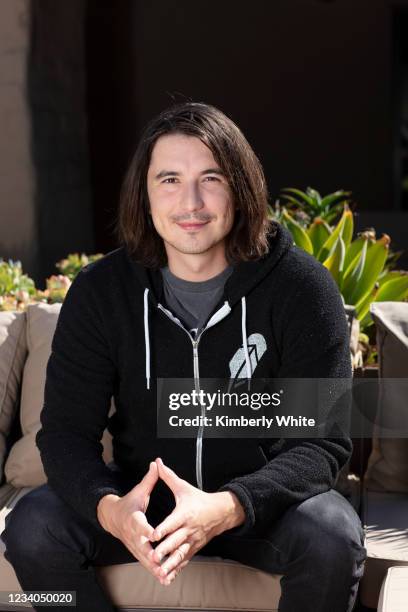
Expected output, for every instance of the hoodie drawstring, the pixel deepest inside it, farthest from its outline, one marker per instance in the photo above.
(244, 338)
(147, 339)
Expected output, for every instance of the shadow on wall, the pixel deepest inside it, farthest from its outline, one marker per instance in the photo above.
(59, 146)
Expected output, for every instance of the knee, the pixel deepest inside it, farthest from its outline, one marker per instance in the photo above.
(328, 526)
(26, 526)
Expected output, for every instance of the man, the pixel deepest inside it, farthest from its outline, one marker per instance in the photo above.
(203, 286)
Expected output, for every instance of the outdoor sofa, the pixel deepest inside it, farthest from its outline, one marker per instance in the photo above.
(206, 583)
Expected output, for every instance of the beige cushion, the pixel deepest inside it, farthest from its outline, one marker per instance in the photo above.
(23, 467)
(13, 351)
(209, 583)
(394, 591)
(386, 522)
(388, 463)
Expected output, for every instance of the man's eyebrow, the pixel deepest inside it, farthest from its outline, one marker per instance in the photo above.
(213, 171)
(164, 173)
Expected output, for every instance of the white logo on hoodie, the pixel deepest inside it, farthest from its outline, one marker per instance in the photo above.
(256, 348)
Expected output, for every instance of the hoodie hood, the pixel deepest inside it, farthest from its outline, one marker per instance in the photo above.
(249, 274)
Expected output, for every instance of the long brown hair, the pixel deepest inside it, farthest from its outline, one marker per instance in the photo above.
(248, 236)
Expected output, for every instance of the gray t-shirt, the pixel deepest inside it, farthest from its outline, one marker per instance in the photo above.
(191, 301)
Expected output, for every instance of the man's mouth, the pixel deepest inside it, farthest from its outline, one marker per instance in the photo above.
(189, 225)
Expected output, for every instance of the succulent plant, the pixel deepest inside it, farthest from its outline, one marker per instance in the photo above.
(311, 204)
(16, 288)
(361, 266)
(57, 288)
(74, 263)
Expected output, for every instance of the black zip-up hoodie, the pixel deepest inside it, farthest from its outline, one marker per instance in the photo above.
(280, 316)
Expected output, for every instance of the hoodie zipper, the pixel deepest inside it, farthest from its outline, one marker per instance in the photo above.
(199, 439)
(213, 320)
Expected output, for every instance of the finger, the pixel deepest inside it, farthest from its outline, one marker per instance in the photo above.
(141, 531)
(141, 552)
(150, 478)
(139, 544)
(168, 545)
(173, 521)
(144, 551)
(141, 526)
(170, 477)
(172, 575)
(175, 559)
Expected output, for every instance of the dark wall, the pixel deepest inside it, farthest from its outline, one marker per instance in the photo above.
(112, 94)
(308, 81)
(59, 138)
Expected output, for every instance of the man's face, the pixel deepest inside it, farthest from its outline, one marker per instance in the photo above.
(190, 200)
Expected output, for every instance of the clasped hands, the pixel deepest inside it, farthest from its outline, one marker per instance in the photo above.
(197, 518)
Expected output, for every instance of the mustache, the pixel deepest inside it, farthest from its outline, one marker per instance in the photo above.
(195, 219)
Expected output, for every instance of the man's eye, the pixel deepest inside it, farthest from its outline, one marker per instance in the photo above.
(170, 180)
(212, 178)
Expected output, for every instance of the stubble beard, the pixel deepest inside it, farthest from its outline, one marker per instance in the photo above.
(193, 247)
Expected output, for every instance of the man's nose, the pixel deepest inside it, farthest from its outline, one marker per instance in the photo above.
(192, 198)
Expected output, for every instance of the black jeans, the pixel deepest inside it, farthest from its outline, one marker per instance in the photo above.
(317, 545)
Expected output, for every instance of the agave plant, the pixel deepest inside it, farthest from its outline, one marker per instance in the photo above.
(359, 266)
(310, 204)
